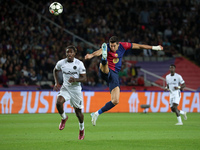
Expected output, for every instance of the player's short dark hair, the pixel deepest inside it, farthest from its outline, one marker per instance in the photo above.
(72, 47)
(172, 65)
(114, 39)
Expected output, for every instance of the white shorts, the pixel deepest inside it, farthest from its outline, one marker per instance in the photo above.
(174, 99)
(74, 95)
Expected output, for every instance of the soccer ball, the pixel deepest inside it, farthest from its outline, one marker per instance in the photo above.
(56, 8)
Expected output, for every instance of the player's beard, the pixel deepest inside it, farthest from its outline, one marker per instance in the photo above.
(70, 59)
(172, 73)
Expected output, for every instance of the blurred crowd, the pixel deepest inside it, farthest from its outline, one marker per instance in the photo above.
(30, 46)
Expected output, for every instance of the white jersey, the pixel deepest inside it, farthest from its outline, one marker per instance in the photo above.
(173, 81)
(71, 69)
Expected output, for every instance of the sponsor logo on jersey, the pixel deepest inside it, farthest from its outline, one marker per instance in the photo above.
(172, 83)
(69, 72)
(115, 60)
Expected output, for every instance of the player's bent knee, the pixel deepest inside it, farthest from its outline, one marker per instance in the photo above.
(173, 109)
(115, 102)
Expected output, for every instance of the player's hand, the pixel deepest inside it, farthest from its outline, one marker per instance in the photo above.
(166, 90)
(177, 87)
(72, 79)
(56, 87)
(157, 48)
(161, 47)
(88, 56)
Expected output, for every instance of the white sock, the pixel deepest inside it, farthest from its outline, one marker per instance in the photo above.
(182, 112)
(63, 115)
(97, 113)
(179, 119)
(81, 126)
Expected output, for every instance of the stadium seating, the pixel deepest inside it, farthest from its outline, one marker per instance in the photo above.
(189, 71)
(158, 68)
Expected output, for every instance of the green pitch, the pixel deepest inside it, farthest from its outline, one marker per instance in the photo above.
(114, 131)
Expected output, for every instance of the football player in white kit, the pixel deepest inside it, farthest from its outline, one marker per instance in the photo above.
(74, 72)
(175, 84)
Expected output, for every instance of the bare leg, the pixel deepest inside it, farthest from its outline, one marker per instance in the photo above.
(59, 104)
(79, 115)
(115, 93)
(175, 109)
(104, 68)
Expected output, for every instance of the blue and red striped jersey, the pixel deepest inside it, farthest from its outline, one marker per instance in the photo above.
(115, 58)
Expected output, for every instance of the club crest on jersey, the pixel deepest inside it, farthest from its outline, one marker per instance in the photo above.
(116, 55)
(74, 67)
(115, 60)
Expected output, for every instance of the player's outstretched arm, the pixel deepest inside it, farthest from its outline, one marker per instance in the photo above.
(96, 53)
(141, 46)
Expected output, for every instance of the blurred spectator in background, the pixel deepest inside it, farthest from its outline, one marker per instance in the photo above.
(11, 73)
(134, 71)
(133, 89)
(40, 76)
(25, 71)
(33, 78)
(1, 70)
(132, 81)
(4, 79)
(89, 50)
(147, 52)
(23, 80)
(17, 74)
(93, 70)
(197, 53)
(123, 75)
(140, 81)
(168, 32)
(144, 16)
(3, 59)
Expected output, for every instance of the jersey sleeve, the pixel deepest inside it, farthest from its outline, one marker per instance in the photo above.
(181, 79)
(126, 45)
(82, 69)
(58, 65)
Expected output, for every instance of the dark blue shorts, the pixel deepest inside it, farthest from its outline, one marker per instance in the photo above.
(112, 79)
